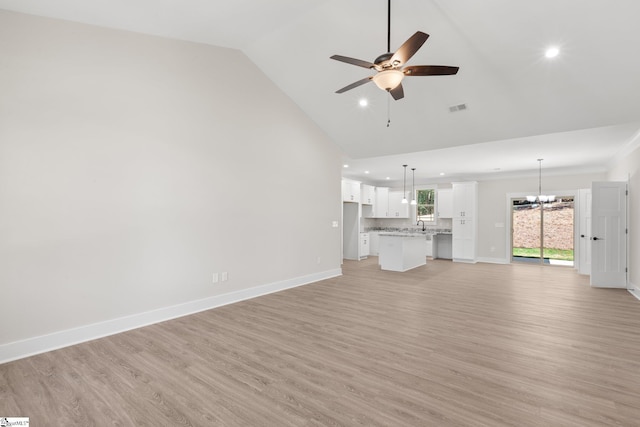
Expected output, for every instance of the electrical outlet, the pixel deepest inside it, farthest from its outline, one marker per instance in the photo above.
(216, 277)
(334, 224)
(225, 276)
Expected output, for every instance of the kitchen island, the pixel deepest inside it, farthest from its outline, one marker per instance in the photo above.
(402, 251)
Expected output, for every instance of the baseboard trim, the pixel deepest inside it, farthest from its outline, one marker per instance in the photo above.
(634, 290)
(493, 260)
(41, 344)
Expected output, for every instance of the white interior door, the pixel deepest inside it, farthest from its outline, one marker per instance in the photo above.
(608, 234)
(584, 231)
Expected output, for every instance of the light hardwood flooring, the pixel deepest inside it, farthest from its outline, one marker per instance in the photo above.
(445, 344)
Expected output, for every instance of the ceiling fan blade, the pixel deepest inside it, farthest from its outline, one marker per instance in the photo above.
(409, 48)
(430, 70)
(353, 61)
(354, 85)
(397, 92)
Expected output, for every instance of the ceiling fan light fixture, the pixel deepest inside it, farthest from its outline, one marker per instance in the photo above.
(388, 65)
(388, 79)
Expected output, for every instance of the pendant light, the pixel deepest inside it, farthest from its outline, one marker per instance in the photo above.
(413, 187)
(404, 186)
(540, 198)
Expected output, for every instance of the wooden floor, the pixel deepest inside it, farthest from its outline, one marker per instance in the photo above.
(446, 344)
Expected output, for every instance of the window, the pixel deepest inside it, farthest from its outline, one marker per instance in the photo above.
(425, 209)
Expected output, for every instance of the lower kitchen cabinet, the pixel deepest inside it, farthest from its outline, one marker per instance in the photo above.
(442, 246)
(430, 242)
(374, 243)
(364, 245)
(464, 241)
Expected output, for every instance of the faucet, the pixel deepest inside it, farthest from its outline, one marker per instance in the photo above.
(421, 221)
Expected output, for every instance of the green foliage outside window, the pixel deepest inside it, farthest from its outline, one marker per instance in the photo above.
(425, 209)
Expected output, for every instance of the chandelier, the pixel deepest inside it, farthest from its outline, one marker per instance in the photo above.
(540, 198)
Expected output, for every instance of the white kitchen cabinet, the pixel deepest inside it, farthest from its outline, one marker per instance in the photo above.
(397, 209)
(374, 243)
(464, 224)
(430, 242)
(364, 245)
(442, 246)
(367, 211)
(350, 191)
(464, 199)
(464, 241)
(445, 203)
(402, 251)
(367, 194)
(381, 206)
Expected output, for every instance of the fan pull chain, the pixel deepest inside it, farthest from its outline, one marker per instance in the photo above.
(388, 110)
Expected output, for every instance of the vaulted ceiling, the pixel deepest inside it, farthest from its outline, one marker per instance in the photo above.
(576, 110)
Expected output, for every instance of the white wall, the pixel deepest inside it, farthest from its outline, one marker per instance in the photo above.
(627, 167)
(492, 208)
(133, 167)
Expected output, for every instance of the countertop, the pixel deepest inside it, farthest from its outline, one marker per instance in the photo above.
(404, 234)
(409, 232)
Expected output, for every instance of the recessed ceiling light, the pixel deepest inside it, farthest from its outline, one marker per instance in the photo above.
(441, 173)
(363, 102)
(366, 171)
(552, 52)
(345, 165)
(388, 178)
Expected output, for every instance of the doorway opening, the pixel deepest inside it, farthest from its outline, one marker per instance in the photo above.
(543, 233)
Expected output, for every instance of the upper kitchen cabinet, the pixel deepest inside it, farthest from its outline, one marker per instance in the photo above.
(367, 194)
(381, 206)
(445, 203)
(350, 191)
(368, 199)
(465, 203)
(397, 209)
(464, 225)
(388, 204)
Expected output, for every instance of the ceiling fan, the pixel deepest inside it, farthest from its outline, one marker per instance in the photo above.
(389, 66)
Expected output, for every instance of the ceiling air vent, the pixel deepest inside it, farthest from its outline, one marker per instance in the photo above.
(459, 107)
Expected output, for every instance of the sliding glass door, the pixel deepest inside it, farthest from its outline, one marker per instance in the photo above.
(543, 233)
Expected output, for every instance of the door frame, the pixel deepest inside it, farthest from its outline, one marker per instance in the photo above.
(509, 224)
(584, 228)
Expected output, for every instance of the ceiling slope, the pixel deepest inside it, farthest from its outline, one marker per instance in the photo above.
(514, 96)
